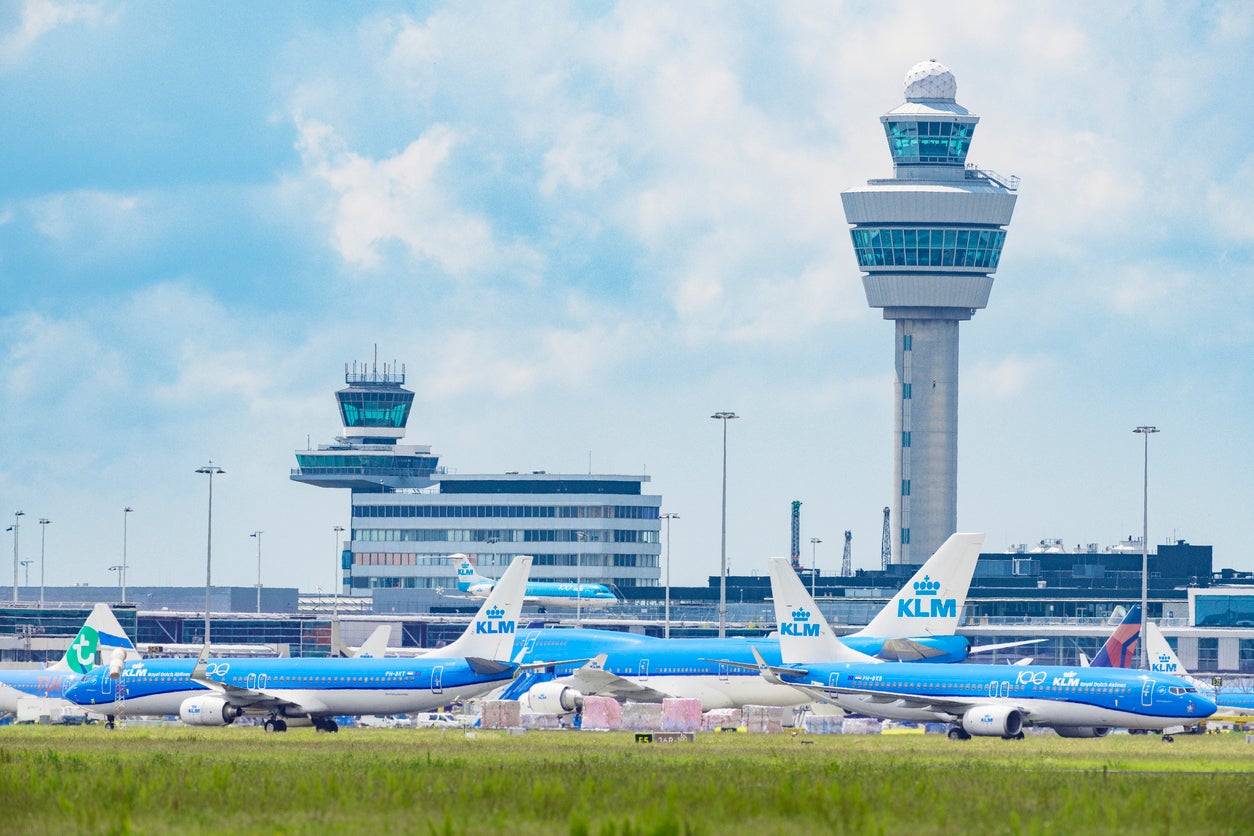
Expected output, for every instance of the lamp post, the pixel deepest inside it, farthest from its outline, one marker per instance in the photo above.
(668, 516)
(722, 571)
(338, 572)
(258, 534)
(210, 470)
(117, 567)
(17, 515)
(126, 512)
(814, 543)
(581, 537)
(43, 530)
(1145, 432)
(26, 565)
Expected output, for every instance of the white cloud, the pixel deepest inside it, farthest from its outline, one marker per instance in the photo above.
(37, 18)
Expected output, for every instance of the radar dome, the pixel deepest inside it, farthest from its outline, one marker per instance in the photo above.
(930, 80)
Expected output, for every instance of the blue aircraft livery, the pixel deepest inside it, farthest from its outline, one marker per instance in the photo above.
(215, 691)
(545, 593)
(977, 699)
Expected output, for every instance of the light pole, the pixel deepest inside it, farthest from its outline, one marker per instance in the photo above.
(1145, 432)
(17, 515)
(722, 571)
(338, 571)
(210, 470)
(117, 567)
(26, 566)
(126, 512)
(258, 534)
(814, 543)
(668, 516)
(43, 530)
(581, 537)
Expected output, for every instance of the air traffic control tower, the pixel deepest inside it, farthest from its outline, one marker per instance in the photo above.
(928, 240)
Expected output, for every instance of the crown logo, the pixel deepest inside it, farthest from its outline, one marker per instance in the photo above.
(494, 612)
(1164, 658)
(801, 614)
(1069, 674)
(927, 586)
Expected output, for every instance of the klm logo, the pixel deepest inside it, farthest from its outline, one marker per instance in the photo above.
(926, 604)
(1067, 680)
(495, 624)
(800, 624)
(465, 571)
(1163, 664)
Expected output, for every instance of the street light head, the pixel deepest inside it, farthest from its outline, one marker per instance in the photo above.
(19, 513)
(211, 468)
(724, 415)
(1146, 430)
(44, 520)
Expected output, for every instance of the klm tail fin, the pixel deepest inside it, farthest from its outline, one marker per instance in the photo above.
(99, 637)
(1119, 651)
(376, 644)
(931, 603)
(804, 634)
(1160, 655)
(466, 574)
(490, 634)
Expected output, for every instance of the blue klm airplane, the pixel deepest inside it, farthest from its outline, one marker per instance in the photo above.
(214, 692)
(544, 593)
(986, 700)
(918, 623)
(100, 641)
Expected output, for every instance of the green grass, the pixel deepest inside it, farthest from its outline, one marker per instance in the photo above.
(153, 779)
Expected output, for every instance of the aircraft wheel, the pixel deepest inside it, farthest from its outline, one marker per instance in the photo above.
(1168, 739)
(109, 723)
(958, 734)
(269, 726)
(1019, 736)
(331, 726)
(280, 725)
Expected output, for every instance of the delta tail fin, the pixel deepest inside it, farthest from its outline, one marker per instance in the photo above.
(1119, 651)
(490, 634)
(804, 634)
(96, 642)
(931, 603)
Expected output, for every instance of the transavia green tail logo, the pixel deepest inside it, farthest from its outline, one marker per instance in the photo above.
(82, 654)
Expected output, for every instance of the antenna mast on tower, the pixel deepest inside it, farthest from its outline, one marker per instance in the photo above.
(886, 544)
(846, 562)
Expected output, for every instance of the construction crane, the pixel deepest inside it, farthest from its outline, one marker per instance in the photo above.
(846, 562)
(796, 534)
(886, 544)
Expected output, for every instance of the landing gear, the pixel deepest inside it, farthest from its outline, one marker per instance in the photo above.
(958, 734)
(326, 724)
(109, 723)
(1168, 739)
(275, 724)
(1015, 736)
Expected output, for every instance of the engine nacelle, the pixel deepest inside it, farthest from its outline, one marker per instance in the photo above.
(992, 721)
(117, 661)
(1082, 731)
(208, 711)
(554, 698)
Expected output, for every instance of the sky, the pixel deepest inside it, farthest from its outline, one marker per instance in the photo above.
(585, 227)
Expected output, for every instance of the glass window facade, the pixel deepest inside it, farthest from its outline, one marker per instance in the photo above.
(621, 512)
(941, 247)
(381, 465)
(482, 535)
(929, 143)
(1219, 610)
(375, 409)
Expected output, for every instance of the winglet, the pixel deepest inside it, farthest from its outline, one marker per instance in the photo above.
(804, 634)
(931, 602)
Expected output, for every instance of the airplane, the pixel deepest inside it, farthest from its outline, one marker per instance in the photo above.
(216, 691)
(1119, 651)
(97, 641)
(545, 593)
(978, 700)
(1162, 659)
(641, 668)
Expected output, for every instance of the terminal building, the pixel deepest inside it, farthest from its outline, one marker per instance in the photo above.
(409, 514)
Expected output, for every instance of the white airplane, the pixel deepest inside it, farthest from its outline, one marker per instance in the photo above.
(545, 593)
(1164, 660)
(214, 692)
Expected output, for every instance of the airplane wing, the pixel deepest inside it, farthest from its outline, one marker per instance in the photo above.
(986, 648)
(592, 679)
(953, 707)
(251, 699)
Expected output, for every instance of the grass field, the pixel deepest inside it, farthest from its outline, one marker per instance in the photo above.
(157, 780)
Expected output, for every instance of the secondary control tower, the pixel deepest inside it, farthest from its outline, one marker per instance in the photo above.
(928, 240)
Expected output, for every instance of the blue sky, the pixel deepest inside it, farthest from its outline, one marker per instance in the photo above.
(584, 228)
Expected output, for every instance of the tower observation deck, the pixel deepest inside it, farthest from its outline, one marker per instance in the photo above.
(928, 241)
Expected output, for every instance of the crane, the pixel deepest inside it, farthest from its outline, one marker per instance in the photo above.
(886, 544)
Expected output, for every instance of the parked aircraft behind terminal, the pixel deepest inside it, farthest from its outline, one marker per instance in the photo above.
(214, 692)
(918, 622)
(986, 700)
(545, 593)
(99, 641)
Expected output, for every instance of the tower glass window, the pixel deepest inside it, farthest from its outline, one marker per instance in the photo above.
(375, 409)
(880, 247)
(929, 143)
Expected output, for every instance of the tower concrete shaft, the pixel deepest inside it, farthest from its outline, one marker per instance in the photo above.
(928, 240)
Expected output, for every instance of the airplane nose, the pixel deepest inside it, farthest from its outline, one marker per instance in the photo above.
(1203, 707)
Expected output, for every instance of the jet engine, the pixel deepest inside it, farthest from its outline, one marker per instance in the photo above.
(554, 698)
(1082, 731)
(208, 711)
(992, 721)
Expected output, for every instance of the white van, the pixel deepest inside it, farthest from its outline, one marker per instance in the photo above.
(436, 720)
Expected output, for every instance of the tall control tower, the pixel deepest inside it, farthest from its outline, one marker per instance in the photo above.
(929, 240)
